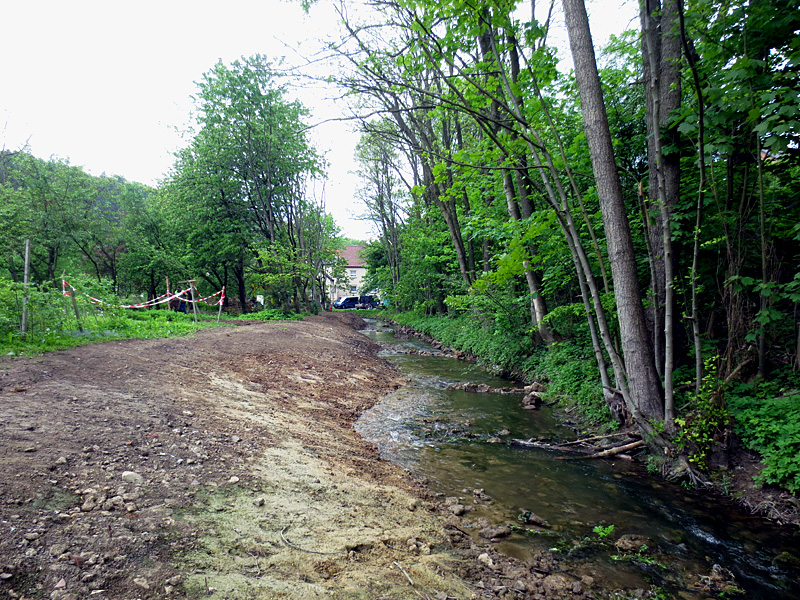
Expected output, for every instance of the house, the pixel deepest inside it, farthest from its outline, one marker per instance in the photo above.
(355, 271)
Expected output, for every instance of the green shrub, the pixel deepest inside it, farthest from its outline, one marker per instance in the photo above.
(53, 325)
(269, 314)
(767, 419)
(492, 346)
(705, 419)
(571, 372)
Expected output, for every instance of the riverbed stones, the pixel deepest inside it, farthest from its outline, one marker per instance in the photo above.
(530, 518)
(557, 585)
(494, 533)
(457, 509)
(632, 543)
(532, 401)
(486, 560)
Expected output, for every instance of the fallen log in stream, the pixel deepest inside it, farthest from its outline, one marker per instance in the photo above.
(616, 449)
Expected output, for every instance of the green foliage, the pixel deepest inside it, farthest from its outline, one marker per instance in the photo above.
(571, 373)
(489, 344)
(270, 314)
(707, 419)
(640, 556)
(603, 531)
(586, 544)
(767, 419)
(52, 323)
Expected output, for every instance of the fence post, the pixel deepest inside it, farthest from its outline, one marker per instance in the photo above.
(23, 327)
(194, 303)
(75, 308)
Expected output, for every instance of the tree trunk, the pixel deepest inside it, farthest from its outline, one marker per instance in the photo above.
(643, 381)
(661, 49)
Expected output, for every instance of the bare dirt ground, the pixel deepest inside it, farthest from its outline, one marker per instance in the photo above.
(224, 465)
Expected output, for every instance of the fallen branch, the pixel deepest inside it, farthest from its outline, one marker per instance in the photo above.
(399, 566)
(291, 545)
(606, 453)
(595, 437)
(568, 448)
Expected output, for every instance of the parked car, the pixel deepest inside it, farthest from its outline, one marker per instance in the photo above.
(346, 302)
(367, 302)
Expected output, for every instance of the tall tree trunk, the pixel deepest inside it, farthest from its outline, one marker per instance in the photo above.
(661, 48)
(643, 381)
(701, 185)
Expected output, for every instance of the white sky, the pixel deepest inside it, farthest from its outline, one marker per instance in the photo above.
(107, 84)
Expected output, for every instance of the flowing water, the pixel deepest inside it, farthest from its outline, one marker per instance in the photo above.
(426, 429)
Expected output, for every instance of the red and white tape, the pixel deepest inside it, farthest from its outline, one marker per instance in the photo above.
(155, 301)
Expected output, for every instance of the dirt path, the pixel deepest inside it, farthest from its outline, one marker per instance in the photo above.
(220, 465)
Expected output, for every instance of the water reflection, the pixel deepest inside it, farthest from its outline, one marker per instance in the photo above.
(441, 434)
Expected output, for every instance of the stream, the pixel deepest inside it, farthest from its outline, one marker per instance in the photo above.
(427, 429)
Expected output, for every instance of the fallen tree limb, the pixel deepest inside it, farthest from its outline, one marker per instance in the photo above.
(566, 447)
(595, 437)
(607, 453)
(296, 547)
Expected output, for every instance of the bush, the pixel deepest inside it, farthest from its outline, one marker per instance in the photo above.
(767, 419)
(269, 314)
(53, 325)
(492, 346)
(571, 373)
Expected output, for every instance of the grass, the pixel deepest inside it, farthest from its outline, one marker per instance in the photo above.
(101, 327)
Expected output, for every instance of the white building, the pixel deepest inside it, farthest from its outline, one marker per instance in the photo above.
(355, 271)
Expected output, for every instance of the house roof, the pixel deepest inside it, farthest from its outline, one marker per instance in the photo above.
(352, 255)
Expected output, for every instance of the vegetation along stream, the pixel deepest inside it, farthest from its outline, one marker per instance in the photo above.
(445, 437)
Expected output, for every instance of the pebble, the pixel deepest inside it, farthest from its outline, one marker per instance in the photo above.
(132, 477)
(486, 559)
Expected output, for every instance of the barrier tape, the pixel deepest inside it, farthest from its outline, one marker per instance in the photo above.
(163, 298)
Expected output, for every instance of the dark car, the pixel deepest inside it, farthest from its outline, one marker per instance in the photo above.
(367, 302)
(346, 302)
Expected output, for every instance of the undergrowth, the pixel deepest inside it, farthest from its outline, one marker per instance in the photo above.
(55, 322)
(269, 314)
(767, 419)
(568, 368)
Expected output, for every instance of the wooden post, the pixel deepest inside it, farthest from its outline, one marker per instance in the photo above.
(194, 303)
(23, 327)
(75, 308)
(167, 278)
(221, 300)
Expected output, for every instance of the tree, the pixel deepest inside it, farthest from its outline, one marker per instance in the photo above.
(239, 187)
(643, 392)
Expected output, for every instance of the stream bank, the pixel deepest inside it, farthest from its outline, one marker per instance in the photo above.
(610, 518)
(735, 474)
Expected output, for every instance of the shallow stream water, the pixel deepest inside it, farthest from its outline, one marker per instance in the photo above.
(425, 428)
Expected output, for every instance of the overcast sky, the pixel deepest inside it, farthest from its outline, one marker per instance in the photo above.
(107, 84)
